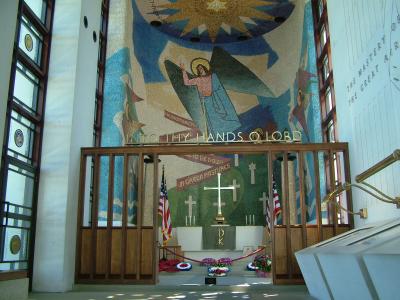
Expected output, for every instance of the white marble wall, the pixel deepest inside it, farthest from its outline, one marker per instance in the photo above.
(365, 37)
(11, 289)
(68, 127)
(8, 17)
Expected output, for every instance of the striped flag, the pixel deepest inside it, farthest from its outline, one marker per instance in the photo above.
(268, 218)
(277, 203)
(164, 212)
(277, 207)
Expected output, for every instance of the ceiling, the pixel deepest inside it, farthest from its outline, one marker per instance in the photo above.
(215, 21)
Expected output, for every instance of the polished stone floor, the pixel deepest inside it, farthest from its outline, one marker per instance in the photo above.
(189, 292)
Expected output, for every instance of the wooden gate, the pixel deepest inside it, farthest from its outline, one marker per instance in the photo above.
(113, 248)
(120, 247)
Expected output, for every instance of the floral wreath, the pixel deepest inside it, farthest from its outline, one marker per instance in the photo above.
(218, 271)
(251, 266)
(184, 266)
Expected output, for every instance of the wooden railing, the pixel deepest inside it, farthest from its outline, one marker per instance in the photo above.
(121, 246)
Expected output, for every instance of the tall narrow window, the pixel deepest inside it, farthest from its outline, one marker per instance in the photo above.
(101, 66)
(326, 86)
(22, 142)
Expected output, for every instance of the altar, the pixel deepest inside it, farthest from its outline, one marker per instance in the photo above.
(245, 238)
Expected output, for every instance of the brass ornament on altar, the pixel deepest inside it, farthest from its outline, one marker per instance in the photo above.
(221, 234)
(220, 219)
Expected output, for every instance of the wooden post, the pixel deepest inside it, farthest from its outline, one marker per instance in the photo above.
(303, 205)
(81, 197)
(271, 213)
(286, 208)
(110, 214)
(347, 177)
(156, 198)
(332, 187)
(124, 217)
(317, 196)
(95, 212)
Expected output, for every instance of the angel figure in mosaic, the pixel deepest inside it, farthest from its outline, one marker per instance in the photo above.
(203, 92)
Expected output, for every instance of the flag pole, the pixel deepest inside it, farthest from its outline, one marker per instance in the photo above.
(162, 182)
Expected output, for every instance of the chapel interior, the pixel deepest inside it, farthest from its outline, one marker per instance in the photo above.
(199, 149)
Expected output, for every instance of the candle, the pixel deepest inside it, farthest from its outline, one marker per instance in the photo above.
(186, 220)
(246, 219)
(254, 220)
(194, 220)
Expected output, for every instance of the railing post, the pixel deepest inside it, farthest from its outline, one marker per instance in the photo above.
(94, 217)
(332, 187)
(317, 196)
(124, 217)
(286, 210)
(303, 205)
(81, 196)
(347, 178)
(272, 215)
(110, 213)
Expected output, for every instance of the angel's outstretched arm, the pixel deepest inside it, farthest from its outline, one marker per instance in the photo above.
(185, 76)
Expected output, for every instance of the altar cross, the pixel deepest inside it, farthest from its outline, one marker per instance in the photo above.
(264, 200)
(190, 204)
(252, 168)
(219, 188)
(236, 186)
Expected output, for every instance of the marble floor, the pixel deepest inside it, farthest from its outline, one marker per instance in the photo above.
(239, 284)
(140, 292)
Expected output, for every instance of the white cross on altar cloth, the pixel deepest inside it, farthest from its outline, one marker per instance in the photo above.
(219, 188)
(252, 168)
(264, 199)
(236, 186)
(190, 204)
(236, 160)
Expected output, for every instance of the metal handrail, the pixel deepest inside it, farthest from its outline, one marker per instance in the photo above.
(366, 187)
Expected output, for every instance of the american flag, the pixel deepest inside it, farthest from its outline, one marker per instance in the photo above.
(277, 207)
(164, 212)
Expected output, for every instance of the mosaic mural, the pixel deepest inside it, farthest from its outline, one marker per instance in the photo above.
(169, 75)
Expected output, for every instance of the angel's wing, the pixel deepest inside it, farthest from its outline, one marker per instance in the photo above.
(236, 76)
(188, 95)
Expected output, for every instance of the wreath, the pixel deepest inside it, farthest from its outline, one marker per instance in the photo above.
(251, 266)
(218, 271)
(184, 266)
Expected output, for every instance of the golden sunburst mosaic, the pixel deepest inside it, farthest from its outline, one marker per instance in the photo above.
(216, 19)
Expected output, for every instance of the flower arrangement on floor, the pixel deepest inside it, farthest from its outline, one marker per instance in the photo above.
(184, 266)
(207, 262)
(220, 267)
(218, 271)
(251, 266)
(263, 264)
(168, 265)
(224, 261)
